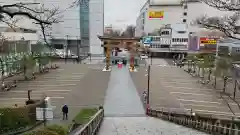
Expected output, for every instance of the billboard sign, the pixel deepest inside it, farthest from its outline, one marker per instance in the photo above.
(147, 40)
(207, 44)
(208, 41)
(155, 14)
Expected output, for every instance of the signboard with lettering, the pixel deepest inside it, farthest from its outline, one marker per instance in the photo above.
(147, 40)
(208, 41)
(156, 14)
(207, 44)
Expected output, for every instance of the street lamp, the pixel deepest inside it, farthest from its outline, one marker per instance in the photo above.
(148, 83)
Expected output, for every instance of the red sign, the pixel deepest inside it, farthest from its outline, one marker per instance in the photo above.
(209, 41)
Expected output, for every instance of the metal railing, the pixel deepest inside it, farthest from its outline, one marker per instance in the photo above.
(208, 125)
(92, 127)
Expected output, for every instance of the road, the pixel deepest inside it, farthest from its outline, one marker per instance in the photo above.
(124, 113)
(172, 89)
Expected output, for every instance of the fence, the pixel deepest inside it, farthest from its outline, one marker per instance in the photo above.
(93, 125)
(205, 124)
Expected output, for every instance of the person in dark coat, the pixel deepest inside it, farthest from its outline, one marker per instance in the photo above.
(65, 112)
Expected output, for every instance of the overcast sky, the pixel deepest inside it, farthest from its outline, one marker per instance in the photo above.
(121, 13)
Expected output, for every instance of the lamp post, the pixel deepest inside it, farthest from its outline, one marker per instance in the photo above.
(148, 84)
(66, 50)
(78, 51)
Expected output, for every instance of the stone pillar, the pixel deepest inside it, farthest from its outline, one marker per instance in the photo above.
(132, 59)
(108, 54)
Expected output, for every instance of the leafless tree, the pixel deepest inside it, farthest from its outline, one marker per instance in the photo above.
(40, 15)
(113, 33)
(129, 31)
(228, 24)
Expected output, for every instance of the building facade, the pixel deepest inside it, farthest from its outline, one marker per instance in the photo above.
(96, 25)
(79, 27)
(172, 12)
(231, 46)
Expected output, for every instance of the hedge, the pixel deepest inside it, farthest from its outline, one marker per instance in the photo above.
(49, 130)
(12, 119)
(42, 132)
(56, 128)
(85, 115)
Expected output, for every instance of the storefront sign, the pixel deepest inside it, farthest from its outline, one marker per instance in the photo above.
(209, 41)
(156, 14)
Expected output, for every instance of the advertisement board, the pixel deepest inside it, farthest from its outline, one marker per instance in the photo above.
(209, 41)
(207, 44)
(156, 14)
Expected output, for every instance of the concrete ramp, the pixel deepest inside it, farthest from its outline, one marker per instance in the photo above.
(142, 126)
(124, 112)
(122, 98)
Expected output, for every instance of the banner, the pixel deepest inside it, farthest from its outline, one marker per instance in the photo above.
(209, 41)
(156, 14)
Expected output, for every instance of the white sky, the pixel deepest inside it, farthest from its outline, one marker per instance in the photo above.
(120, 13)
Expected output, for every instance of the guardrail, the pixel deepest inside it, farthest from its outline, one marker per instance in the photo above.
(205, 124)
(92, 127)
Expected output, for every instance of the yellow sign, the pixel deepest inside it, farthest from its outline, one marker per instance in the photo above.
(208, 42)
(156, 14)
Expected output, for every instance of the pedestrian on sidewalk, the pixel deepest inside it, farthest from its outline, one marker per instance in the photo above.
(65, 112)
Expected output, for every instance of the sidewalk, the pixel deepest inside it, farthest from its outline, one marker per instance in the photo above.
(228, 95)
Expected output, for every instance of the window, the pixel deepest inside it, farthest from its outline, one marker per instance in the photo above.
(184, 20)
(164, 46)
(185, 13)
(237, 49)
(165, 33)
(58, 46)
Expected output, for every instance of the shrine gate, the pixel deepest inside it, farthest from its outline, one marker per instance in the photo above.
(110, 43)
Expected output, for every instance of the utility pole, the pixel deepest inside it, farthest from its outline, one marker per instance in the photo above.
(44, 112)
(151, 59)
(66, 49)
(78, 51)
(148, 87)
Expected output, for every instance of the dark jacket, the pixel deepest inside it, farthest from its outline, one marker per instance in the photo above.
(65, 109)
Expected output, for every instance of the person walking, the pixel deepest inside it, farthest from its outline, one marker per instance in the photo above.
(65, 112)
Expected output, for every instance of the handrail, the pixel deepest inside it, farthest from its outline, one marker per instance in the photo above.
(205, 124)
(93, 125)
(181, 111)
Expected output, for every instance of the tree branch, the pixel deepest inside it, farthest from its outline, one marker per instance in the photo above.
(42, 16)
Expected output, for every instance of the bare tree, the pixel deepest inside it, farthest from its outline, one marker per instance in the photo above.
(129, 31)
(228, 24)
(113, 33)
(42, 16)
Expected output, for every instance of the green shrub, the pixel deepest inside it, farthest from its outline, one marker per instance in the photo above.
(58, 129)
(12, 119)
(42, 132)
(85, 115)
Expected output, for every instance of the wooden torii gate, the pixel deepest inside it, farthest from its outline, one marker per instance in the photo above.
(120, 42)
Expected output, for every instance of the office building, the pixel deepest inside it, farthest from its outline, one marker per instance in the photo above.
(156, 13)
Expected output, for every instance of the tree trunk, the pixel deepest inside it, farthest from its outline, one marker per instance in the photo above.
(203, 73)
(225, 84)
(209, 75)
(188, 66)
(235, 89)
(215, 82)
(198, 74)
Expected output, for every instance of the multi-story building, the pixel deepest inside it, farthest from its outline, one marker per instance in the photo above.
(156, 13)
(172, 39)
(230, 46)
(79, 24)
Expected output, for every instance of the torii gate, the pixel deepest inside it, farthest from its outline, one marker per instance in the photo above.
(120, 42)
